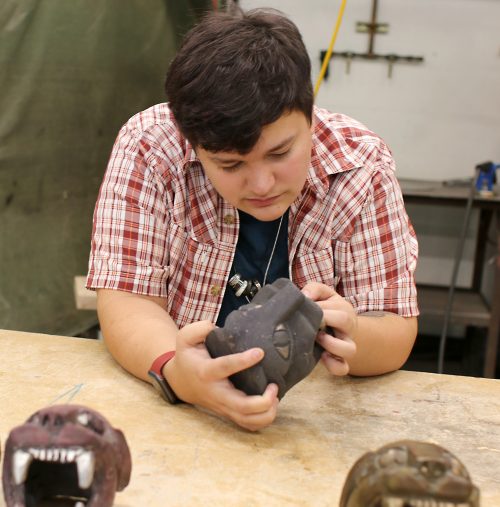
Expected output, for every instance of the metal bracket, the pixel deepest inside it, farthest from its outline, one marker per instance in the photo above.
(390, 58)
(372, 27)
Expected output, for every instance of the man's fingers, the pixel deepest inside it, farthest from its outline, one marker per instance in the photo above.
(342, 347)
(257, 404)
(258, 411)
(225, 366)
(337, 319)
(335, 365)
(251, 412)
(194, 334)
(318, 291)
(255, 422)
(239, 402)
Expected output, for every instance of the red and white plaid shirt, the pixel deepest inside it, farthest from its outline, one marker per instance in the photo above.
(161, 229)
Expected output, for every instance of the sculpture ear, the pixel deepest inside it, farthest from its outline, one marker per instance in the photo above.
(220, 343)
(123, 459)
(252, 380)
(282, 299)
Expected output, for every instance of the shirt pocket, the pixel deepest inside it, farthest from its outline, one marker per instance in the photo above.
(197, 277)
(314, 266)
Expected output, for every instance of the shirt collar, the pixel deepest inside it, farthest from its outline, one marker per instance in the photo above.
(189, 155)
(330, 155)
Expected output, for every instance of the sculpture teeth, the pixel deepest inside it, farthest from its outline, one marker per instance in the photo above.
(393, 502)
(20, 466)
(429, 502)
(58, 455)
(85, 463)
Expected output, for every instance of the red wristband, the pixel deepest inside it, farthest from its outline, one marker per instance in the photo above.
(161, 361)
(159, 380)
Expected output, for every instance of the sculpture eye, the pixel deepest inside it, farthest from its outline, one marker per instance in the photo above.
(87, 420)
(83, 419)
(432, 469)
(35, 419)
(281, 340)
(46, 420)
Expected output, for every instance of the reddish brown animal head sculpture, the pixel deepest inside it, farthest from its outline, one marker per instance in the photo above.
(65, 455)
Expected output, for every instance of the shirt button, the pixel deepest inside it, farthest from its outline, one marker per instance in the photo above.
(229, 219)
(215, 290)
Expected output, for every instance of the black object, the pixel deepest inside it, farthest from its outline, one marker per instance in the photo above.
(281, 321)
(241, 287)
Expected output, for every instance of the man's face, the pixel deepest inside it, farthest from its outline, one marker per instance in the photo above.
(265, 181)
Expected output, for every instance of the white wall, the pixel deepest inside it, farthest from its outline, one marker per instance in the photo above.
(441, 117)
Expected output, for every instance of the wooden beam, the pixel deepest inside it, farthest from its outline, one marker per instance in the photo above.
(84, 299)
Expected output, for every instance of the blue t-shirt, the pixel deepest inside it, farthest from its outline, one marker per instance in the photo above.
(253, 250)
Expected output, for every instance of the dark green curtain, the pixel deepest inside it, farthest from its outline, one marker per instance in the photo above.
(71, 73)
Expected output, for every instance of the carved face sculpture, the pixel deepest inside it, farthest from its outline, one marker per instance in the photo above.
(406, 474)
(281, 321)
(65, 455)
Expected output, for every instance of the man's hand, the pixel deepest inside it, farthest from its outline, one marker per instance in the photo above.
(339, 315)
(198, 379)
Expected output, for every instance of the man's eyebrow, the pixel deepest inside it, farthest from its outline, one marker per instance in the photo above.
(279, 146)
(282, 144)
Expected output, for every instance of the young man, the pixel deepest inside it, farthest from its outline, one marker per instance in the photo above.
(239, 173)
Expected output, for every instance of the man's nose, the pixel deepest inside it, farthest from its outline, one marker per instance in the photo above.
(261, 182)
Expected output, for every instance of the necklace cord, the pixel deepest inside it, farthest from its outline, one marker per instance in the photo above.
(272, 252)
(238, 284)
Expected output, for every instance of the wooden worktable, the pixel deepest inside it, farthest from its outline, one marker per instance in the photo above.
(184, 457)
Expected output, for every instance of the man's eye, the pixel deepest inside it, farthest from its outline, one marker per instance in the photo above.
(280, 154)
(230, 168)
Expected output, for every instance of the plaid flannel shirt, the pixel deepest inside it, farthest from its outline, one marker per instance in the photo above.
(161, 229)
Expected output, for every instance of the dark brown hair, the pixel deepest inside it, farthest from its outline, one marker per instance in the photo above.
(236, 73)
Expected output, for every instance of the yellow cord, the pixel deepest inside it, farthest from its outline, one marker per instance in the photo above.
(330, 48)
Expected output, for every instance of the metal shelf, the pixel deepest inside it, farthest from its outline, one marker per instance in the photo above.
(469, 308)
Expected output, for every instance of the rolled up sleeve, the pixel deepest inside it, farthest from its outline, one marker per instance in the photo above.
(129, 247)
(376, 265)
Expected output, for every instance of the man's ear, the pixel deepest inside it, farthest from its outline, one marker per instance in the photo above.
(313, 122)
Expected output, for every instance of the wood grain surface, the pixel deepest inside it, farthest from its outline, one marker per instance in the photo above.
(182, 456)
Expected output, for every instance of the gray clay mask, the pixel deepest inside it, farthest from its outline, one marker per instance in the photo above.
(281, 321)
